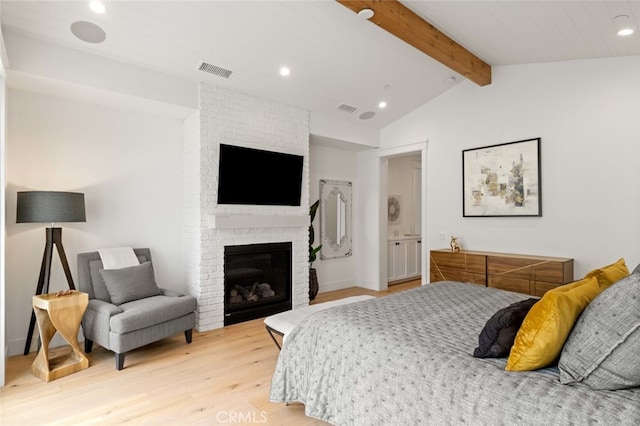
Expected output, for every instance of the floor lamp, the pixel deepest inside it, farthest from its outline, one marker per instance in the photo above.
(49, 207)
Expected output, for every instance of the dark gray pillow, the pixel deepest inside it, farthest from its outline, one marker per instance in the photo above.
(602, 349)
(498, 334)
(99, 289)
(132, 283)
(637, 270)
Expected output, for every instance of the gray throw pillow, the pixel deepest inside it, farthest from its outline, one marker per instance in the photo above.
(132, 283)
(99, 289)
(602, 349)
(637, 270)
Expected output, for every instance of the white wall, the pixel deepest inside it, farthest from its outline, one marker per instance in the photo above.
(342, 130)
(32, 58)
(588, 116)
(3, 236)
(335, 164)
(367, 221)
(128, 164)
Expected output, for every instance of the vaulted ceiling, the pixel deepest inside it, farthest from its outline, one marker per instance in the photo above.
(335, 56)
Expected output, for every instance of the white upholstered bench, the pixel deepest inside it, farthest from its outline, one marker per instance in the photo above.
(284, 322)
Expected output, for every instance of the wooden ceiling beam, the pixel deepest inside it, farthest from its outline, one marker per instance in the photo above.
(397, 19)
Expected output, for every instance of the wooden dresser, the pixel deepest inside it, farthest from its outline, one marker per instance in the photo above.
(521, 273)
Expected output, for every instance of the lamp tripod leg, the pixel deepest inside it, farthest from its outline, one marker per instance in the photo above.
(43, 285)
(57, 240)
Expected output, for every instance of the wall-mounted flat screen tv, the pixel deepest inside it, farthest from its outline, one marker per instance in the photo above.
(256, 177)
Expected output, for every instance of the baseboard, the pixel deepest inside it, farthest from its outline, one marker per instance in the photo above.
(337, 285)
(16, 347)
(370, 285)
(406, 280)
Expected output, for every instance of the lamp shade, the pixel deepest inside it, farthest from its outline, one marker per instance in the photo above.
(50, 206)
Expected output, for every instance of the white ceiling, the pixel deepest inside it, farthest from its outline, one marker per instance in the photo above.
(335, 57)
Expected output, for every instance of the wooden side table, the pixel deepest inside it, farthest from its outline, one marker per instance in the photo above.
(62, 314)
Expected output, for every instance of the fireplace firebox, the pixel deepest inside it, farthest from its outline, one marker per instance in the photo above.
(257, 281)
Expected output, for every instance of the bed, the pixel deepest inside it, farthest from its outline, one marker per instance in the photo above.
(406, 359)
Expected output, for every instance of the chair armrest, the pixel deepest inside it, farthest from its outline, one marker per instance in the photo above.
(96, 321)
(170, 293)
(103, 308)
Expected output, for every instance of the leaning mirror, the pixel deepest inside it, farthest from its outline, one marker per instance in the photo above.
(335, 218)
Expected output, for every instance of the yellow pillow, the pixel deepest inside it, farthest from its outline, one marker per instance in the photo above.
(609, 274)
(567, 287)
(548, 324)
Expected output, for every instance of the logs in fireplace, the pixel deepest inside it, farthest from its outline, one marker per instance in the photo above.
(257, 281)
(257, 292)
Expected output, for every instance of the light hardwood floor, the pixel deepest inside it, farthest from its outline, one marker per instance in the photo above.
(223, 377)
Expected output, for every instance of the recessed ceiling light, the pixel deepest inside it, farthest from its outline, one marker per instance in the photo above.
(366, 13)
(97, 7)
(382, 105)
(89, 32)
(367, 115)
(285, 71)
(624, 25)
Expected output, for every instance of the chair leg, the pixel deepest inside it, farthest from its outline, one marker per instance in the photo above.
(120, 361)
(188, 335)
(88, 345)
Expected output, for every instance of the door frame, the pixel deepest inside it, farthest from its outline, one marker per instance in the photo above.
(383, 156)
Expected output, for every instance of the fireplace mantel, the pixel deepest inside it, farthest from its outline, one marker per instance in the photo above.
(232, 221)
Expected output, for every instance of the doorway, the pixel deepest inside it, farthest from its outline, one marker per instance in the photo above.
(404, 218)
(416, 224)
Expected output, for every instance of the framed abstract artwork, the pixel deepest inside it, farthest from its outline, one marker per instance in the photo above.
(502, 180)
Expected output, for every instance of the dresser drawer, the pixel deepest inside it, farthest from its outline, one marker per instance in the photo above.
(461, 261)
(446, 274)
(518, 285)
(537, 269)
(511, 284)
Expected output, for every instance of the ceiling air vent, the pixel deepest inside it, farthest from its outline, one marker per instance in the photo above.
(346, 108)
(215, 70)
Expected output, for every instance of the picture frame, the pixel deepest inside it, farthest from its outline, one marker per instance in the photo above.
(502, 180)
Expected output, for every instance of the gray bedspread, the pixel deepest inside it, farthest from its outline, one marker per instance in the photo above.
(405, 359)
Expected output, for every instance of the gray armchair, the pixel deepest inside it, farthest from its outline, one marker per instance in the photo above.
(121, 328)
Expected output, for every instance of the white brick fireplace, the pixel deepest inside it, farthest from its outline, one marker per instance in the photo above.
(228, 117)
